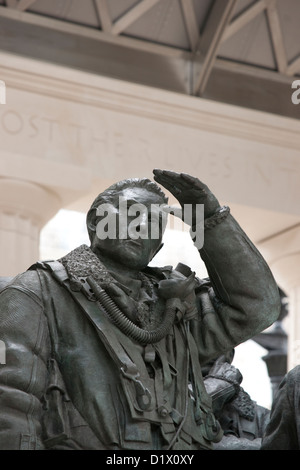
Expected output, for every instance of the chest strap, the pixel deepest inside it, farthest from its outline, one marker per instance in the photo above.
(104, 329)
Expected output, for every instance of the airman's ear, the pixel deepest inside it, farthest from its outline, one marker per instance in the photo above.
(91, 220)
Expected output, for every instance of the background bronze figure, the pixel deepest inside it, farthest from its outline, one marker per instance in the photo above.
(105, 352)
(283, 429)
(242, 420)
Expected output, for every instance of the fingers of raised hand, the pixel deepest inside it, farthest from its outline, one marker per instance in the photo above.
(192, 181)
(169, 180)
(177, 182)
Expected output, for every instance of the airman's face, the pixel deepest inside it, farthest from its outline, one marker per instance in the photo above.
(138, 229)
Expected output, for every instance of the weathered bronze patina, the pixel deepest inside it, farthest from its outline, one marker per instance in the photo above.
(283, 429)
(105, 352)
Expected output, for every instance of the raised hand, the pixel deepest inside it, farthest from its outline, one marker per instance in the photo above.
(187, 190)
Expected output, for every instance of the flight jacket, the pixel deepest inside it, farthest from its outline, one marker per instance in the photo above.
(72, 379)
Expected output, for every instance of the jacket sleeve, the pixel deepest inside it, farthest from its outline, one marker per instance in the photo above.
(23, 375)
(244, 295)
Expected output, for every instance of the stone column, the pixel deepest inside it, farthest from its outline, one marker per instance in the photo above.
(283, 255)
(24, 209)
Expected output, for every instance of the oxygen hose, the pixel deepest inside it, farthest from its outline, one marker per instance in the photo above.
(126, 325)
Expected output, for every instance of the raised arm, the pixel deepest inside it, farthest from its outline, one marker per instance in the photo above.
(245, 295)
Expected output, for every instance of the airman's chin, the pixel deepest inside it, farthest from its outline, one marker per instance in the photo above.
(133, 261)
(135, 265)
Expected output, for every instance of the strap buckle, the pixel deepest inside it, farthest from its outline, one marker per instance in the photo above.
(143, 395)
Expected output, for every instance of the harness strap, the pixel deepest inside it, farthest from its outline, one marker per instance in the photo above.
(103, 327)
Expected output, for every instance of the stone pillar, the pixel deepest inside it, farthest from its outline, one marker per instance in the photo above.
(283, 255)
(24, 208)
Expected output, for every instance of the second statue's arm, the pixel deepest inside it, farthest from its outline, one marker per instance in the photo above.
(246, 295)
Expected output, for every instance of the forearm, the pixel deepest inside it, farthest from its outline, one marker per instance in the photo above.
(240, 277)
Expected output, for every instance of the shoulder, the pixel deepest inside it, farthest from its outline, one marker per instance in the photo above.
(288, 392)
(26, 283)
(292, 378)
